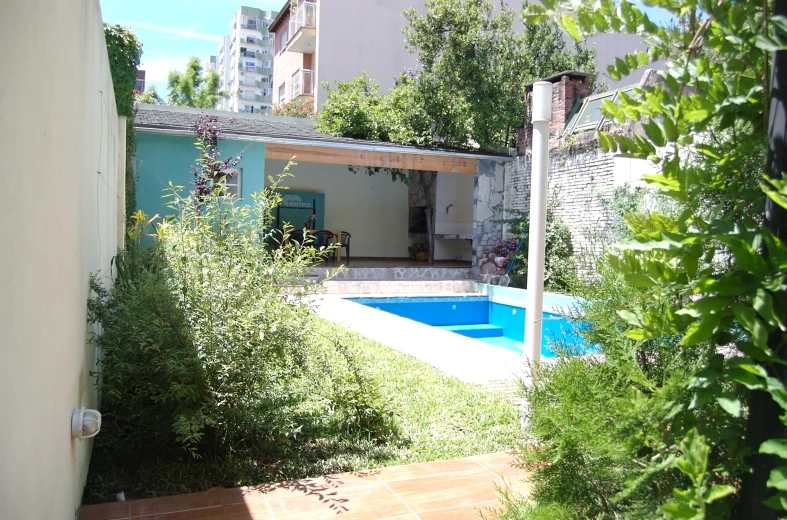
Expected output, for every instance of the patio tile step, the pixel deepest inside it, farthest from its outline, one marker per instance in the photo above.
(478, 330)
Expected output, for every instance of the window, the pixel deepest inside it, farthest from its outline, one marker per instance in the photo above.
(250, 66)
(248, 109)
(267, 92)
(284, 39)
(282, 94)
(233, 183)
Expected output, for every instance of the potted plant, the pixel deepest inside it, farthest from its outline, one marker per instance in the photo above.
(419, 251)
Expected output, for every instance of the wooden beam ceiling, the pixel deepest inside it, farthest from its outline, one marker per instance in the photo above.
(409, 161)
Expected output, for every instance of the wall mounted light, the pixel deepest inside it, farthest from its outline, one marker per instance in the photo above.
(85, 423)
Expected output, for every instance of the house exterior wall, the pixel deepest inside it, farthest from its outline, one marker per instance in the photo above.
(356, 37)
(373, 209)
(454, 215)
(162, 159)
(63, 158)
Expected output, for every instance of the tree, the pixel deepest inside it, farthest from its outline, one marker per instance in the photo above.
(298, 107)
(469, 89)
(474, 67)
(193, 89)
(150, 96)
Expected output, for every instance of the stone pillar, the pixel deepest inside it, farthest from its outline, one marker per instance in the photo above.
(487, 207)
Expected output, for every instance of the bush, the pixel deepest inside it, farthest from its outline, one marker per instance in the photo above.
(207, 348)
(298, 107)
(559, 261)
(355, 108)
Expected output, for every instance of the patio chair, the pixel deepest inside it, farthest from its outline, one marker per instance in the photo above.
(324, 238)
(346, 245)
(297, 236)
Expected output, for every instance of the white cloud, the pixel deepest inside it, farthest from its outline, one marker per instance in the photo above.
(158, 66)
(183, 33)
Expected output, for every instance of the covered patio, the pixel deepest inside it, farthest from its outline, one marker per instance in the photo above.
(344, 186)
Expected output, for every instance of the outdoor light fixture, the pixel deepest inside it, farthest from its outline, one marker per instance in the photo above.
(85, 423)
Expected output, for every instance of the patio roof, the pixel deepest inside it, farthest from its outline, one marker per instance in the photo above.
(286, 137)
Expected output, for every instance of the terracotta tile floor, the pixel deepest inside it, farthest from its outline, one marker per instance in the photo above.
(448, 489)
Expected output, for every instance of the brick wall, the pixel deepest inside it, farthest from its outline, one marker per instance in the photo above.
(581, 178)
(567, 92)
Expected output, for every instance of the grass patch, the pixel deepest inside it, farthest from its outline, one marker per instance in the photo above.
(436, 416)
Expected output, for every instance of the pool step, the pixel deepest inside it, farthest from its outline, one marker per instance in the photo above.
(479, 330)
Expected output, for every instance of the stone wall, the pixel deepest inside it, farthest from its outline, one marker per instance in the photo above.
(490, 182)
(580, 180)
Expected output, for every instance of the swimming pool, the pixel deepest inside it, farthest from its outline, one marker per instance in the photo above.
(478, 317)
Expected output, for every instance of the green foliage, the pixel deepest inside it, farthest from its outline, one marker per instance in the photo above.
(193, 89)
(351, 109)
(206, 342)
(468, 92)
(150, 96)
(355, 108)
(474, 67)
(559, 260)
(689, 303)
(125, 52)
(131, 181)
(603, 435)
(298, 107)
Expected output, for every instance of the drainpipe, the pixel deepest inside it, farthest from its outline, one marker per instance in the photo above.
(542, 117)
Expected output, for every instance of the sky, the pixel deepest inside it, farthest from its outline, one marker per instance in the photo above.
(171, 31)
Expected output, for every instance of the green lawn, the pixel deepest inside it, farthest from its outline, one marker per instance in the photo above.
(437, 416)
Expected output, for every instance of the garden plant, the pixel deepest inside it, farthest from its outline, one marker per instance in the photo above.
(689, 311)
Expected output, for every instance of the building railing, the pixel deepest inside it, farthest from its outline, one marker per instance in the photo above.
(302, 84)
(254, 25)
(305, 16)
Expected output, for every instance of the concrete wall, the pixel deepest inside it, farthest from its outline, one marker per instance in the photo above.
(62, 158)
(165, 158)
(373, 209)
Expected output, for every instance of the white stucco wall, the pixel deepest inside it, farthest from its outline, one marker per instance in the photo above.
(373, 209)
(454, 215)
(60, 166)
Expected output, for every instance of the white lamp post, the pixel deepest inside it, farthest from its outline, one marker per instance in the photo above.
(542, 116)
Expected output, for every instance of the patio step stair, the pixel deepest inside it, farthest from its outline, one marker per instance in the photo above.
(405, 287)
(411, 274)
(478, 330)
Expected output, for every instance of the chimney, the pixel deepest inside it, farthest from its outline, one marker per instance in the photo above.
(569, 89)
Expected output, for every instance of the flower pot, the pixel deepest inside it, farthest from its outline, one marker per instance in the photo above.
(422, 256)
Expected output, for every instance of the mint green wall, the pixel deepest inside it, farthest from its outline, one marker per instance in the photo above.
(164, 158)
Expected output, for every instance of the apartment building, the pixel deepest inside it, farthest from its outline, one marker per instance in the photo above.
(245, 62)
(337, 43)
(349, 37)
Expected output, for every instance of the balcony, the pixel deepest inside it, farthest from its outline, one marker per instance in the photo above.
(302, 84)
(303, 29)
(257, 98)
(252, 25)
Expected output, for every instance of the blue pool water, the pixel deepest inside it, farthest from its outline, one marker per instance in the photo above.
(477, 317)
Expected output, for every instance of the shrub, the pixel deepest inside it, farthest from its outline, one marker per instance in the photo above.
(559, 261)
(601, 433)
(298, 107)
